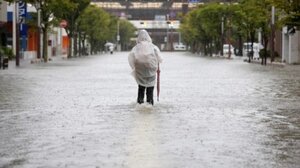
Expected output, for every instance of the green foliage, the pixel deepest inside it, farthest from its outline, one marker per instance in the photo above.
(127, 31)
(70, 10)
(7, 52)
(112, 28)
(255, 14)
(95, 22)
(240, 20)
(188, 30)
(201, 28)
(264, 53)
(290, 12)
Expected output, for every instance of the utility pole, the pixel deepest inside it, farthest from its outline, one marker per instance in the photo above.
(222, 36)
(38, 8)
(272, 34)
(17, 35)
(14, 28)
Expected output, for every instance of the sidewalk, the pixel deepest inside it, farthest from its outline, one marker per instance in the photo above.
(275, 63)
(31, 62)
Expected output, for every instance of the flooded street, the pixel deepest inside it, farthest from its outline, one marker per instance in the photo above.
(212, 112)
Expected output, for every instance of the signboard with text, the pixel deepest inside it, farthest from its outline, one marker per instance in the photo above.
(22, 7)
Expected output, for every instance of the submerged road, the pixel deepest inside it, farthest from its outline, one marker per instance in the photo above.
(212, 112)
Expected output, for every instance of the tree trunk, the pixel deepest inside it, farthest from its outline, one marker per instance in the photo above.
(70, 46)
(249, 60)
(79, 44)
(194, 47)
(205, 49)
(210, 49)
(92, 47)
(252, 38)
(240, 45)
(75, 44)
(84, 47)
(265, 43)
(45, 44)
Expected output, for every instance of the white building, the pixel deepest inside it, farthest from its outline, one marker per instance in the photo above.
(3, 11)
(290, 46)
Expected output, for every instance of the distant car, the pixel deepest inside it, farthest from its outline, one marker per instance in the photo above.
(180, 47)
(226, 50)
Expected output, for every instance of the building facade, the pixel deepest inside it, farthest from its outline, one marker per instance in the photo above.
(3, 11)
(290, 46)
(161, 18)
(3, 23)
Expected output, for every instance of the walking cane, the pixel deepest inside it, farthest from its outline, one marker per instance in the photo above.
(158, 82)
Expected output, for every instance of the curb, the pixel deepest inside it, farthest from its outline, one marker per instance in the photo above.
(279, 64)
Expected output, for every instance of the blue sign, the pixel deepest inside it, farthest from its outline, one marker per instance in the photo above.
(194, 1)
(22, 15)
(23, 29)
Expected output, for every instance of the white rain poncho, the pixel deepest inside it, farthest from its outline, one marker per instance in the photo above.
(144, 59)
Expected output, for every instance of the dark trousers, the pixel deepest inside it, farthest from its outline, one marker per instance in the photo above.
(149, 93)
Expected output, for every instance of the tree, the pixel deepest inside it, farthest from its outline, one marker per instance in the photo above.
(46, 10)
(210, 17)
(70, 10)
(95, 22)
(201, 28)
(188, 31)
(238, 27)
(290, 12)
(253, 16)
(265, 26)
(126, 32)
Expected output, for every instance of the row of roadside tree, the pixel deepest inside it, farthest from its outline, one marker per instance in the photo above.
(209, 26)
(84, 22)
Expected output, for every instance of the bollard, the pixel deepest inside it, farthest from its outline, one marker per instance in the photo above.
(5, 63)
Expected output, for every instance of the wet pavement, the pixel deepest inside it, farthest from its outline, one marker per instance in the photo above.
(212, 113)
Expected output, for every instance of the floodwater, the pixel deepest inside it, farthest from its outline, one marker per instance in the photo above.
(212, 112)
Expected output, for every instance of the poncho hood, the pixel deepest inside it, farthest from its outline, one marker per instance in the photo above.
(143, 36)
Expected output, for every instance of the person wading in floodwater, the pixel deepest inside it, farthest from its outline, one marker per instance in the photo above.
(144, 59)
